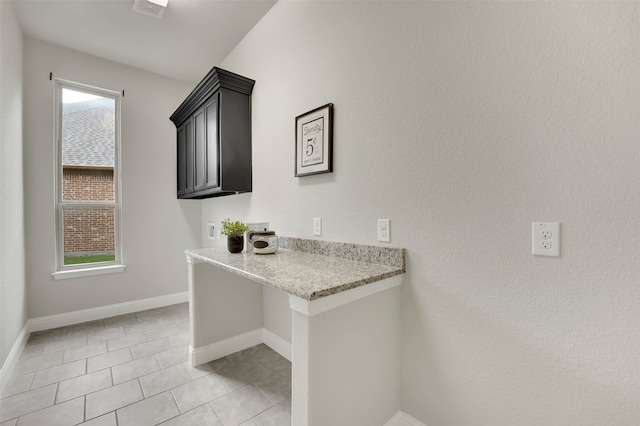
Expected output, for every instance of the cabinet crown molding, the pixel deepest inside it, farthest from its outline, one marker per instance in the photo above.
(215, 79)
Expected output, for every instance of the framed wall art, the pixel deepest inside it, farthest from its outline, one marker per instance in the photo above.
(314, 141)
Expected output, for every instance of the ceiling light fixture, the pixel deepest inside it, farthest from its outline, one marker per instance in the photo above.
(150, 7)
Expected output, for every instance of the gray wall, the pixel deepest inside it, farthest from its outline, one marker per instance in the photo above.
(156, 227)
(463, 122)
(13, 309)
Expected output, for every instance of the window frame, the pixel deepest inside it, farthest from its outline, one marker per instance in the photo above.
(94, 268)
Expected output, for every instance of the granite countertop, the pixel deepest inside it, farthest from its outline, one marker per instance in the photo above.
(309, 269)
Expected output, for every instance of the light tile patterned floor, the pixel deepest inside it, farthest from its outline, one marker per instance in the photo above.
(132, 370)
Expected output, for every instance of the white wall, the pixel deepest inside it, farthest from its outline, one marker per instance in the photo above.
(156, 227)
(13, 309)
(463, 122)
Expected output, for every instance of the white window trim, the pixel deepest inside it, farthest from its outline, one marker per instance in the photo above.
(98, 268)
(88, 272)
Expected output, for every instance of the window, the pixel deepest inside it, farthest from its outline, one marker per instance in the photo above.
(87, 180)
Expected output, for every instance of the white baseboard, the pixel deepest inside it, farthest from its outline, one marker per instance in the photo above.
(14, 355)
(276, 343)
(101, 312)
(403, 419)
(225, 347)
(238, 343)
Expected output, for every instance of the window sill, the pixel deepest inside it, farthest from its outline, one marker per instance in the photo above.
(88, 272)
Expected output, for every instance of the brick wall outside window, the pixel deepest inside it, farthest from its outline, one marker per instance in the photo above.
(87, 184)
(88, 230)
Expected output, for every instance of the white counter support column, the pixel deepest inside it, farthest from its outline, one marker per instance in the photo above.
(346, 356)
(225, 312)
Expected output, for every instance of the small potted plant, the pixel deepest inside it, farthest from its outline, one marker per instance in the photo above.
(235, 234)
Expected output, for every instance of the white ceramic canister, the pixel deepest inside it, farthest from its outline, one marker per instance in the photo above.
(264, 242)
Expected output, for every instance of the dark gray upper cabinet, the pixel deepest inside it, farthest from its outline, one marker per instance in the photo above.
(214, 137)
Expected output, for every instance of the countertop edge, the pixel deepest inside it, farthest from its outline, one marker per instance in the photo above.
(352, 285)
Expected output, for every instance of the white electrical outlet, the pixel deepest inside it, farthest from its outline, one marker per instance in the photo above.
(317, 226)
(545, 237)
(384, 230)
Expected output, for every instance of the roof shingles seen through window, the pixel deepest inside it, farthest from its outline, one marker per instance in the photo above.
(88, 133)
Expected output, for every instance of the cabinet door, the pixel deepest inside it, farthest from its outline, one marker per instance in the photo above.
(182, 160)
(213, 142)
(190, 156)
(200, 141)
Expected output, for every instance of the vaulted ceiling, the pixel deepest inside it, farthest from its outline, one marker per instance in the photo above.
(191, 37)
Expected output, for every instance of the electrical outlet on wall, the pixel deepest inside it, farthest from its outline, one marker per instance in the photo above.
(317, 226)
(545, 237)
(384, 230)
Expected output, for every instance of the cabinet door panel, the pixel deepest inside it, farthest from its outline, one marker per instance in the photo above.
(190, 156)
(182, 160)
(200, 149)
(213, 146)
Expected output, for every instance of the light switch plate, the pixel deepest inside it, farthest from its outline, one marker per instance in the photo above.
(317, 226)
(545, 237)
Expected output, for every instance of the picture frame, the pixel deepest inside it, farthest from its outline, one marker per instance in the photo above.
(314, 142)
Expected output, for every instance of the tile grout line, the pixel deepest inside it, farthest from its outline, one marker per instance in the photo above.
(175, 402)
(216, 411)
(114, 410)
(136, 402)
(273, 404)
(55, 395)
(31, 382)
(45, 408)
